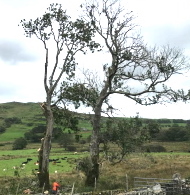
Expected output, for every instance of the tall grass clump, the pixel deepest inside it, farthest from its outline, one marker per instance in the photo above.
(15, 185)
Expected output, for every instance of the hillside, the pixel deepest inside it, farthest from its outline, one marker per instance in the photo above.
(31, 116)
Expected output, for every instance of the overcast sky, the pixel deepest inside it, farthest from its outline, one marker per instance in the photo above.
(22, 59)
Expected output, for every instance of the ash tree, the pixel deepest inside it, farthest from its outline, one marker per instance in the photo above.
(62, 38)
(133, 70)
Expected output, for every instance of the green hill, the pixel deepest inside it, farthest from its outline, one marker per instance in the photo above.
(30, 115)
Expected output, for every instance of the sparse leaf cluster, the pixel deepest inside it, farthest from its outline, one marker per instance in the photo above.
(79, 93)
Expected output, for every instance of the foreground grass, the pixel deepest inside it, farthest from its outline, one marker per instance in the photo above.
(148, 165)
(112, 176)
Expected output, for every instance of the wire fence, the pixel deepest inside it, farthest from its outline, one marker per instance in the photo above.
(172, 187)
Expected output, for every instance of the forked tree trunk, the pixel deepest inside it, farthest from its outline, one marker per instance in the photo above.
(44, 151)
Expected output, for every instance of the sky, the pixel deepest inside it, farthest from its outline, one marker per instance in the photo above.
(161, 22)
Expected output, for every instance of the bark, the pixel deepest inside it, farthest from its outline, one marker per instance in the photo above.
(93, 173)
(44, 151)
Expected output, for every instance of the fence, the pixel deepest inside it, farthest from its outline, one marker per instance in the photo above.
(172, 187)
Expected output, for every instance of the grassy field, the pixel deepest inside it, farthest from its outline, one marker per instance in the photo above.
(9, 160)
(112, 176)
(31, 116)
(169, 160)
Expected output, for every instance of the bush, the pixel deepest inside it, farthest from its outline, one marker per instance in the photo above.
(13, 120)
(174, 134)
(19, 144)
(82, 141)
(29, 124)
(154, 148)
(71, 148)
(37, 133)
(66, 140)
(2, 129)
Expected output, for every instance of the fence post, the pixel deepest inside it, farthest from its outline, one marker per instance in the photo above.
(127, 183)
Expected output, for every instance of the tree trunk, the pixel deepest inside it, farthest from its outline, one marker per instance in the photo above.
(93, 173)
(44, 151)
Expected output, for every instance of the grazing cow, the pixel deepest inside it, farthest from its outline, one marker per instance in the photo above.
(64, 158)
(23, 163)
(36, 163)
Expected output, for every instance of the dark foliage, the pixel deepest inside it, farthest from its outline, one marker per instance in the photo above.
(2, 129)
(37, 133)
(128, 135)
(66, 139)
(14, 120)
(174, 133)
(154, 148)
(19, 144)
(164, 121)
(71, 148)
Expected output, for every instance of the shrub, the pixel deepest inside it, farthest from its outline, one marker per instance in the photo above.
(82, 141)
(66, 140)
(19, 144)
(174, 134)
(71, 148)
(36, 133)
(13, 120)
(2, 129)
(29, 124)
(154, 148)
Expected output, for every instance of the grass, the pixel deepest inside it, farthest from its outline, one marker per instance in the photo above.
(159, 165)
(31, 116)
(138, 163)
(14, 158)
(175, 146)
(147, 165)
(14, 132)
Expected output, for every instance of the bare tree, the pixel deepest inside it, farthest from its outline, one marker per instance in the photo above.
(62, 39)
(133, 70)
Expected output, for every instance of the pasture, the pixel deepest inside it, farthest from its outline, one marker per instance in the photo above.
(160, 164)
(11, 159)
(112, 176)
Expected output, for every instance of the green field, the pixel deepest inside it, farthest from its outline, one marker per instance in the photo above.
(9, 159)
(31, 116)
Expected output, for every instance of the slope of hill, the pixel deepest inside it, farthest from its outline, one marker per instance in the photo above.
(20, 110)
(30, 115)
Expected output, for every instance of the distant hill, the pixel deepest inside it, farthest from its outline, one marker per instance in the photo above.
(21, 110)
(31, 115)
